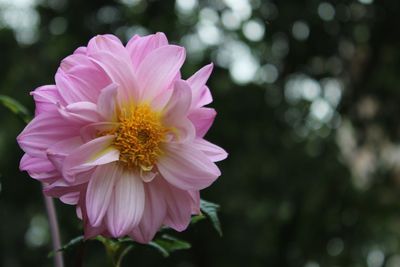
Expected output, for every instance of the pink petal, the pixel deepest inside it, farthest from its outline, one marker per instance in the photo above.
(195, 195)
(114, 59)
(159, 69)
(179, 102)
(61, 188)
(179, 203)
(90, 79)
(77, 59)
(35, 165)
(46, 97)
(202, 119)
(176, 110)
(100, 192)
(140, 47)
(57, 152)
(89, 230)
(91, 131)
(80, 50)
(82, 83)
(201, 93)
(213, 152)
(127, 204)
(154, 213)
(80, 112)
(107, 102)
(39, 168)
(70, 198)
(96, 152)
(105, 42)
(43, 131)
(186, 167)
(147, 176)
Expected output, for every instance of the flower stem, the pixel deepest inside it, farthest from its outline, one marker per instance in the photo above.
(55, 232)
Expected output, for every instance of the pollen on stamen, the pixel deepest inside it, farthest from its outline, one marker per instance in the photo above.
(139, 137)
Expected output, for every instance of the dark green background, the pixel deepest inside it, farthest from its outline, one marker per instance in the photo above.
(308, 182)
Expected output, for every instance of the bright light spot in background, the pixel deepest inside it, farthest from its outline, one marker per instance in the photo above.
(243, 70)
(267, 74)
(37, 233)
(230, 20)
(326, 11)
(58, 25)
(186, 6)
(321, 110)
(209, 34)
(375, 258)
(300, 86)
(366, 2)
(332, 91)
(241, 8)
(194, 47)
(254, 30)
(130, 3)
(209, 15)
(21, 17)
(311, 89)
(236, 55)
(335, 246)
(300, 30)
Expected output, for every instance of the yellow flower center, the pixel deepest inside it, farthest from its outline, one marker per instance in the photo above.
(139, 137)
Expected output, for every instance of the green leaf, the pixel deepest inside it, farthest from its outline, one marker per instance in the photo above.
(15, 107)
(197, 218)
(167, 244)
(210, 210)
(73, 242)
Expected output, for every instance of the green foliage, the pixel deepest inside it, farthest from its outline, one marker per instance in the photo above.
(71, 244)
(15, 107)
(166, 244)
(211, 209)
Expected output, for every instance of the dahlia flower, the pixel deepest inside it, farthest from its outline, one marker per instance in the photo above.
(120, 135)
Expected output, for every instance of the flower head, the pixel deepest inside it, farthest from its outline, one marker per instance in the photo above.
(120, 135)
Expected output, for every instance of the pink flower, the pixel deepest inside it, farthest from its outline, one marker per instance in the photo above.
(120, 135)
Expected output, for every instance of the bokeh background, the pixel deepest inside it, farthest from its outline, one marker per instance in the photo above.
(307, 94)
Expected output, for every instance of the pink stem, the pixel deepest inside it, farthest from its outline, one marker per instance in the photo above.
(55, 232)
